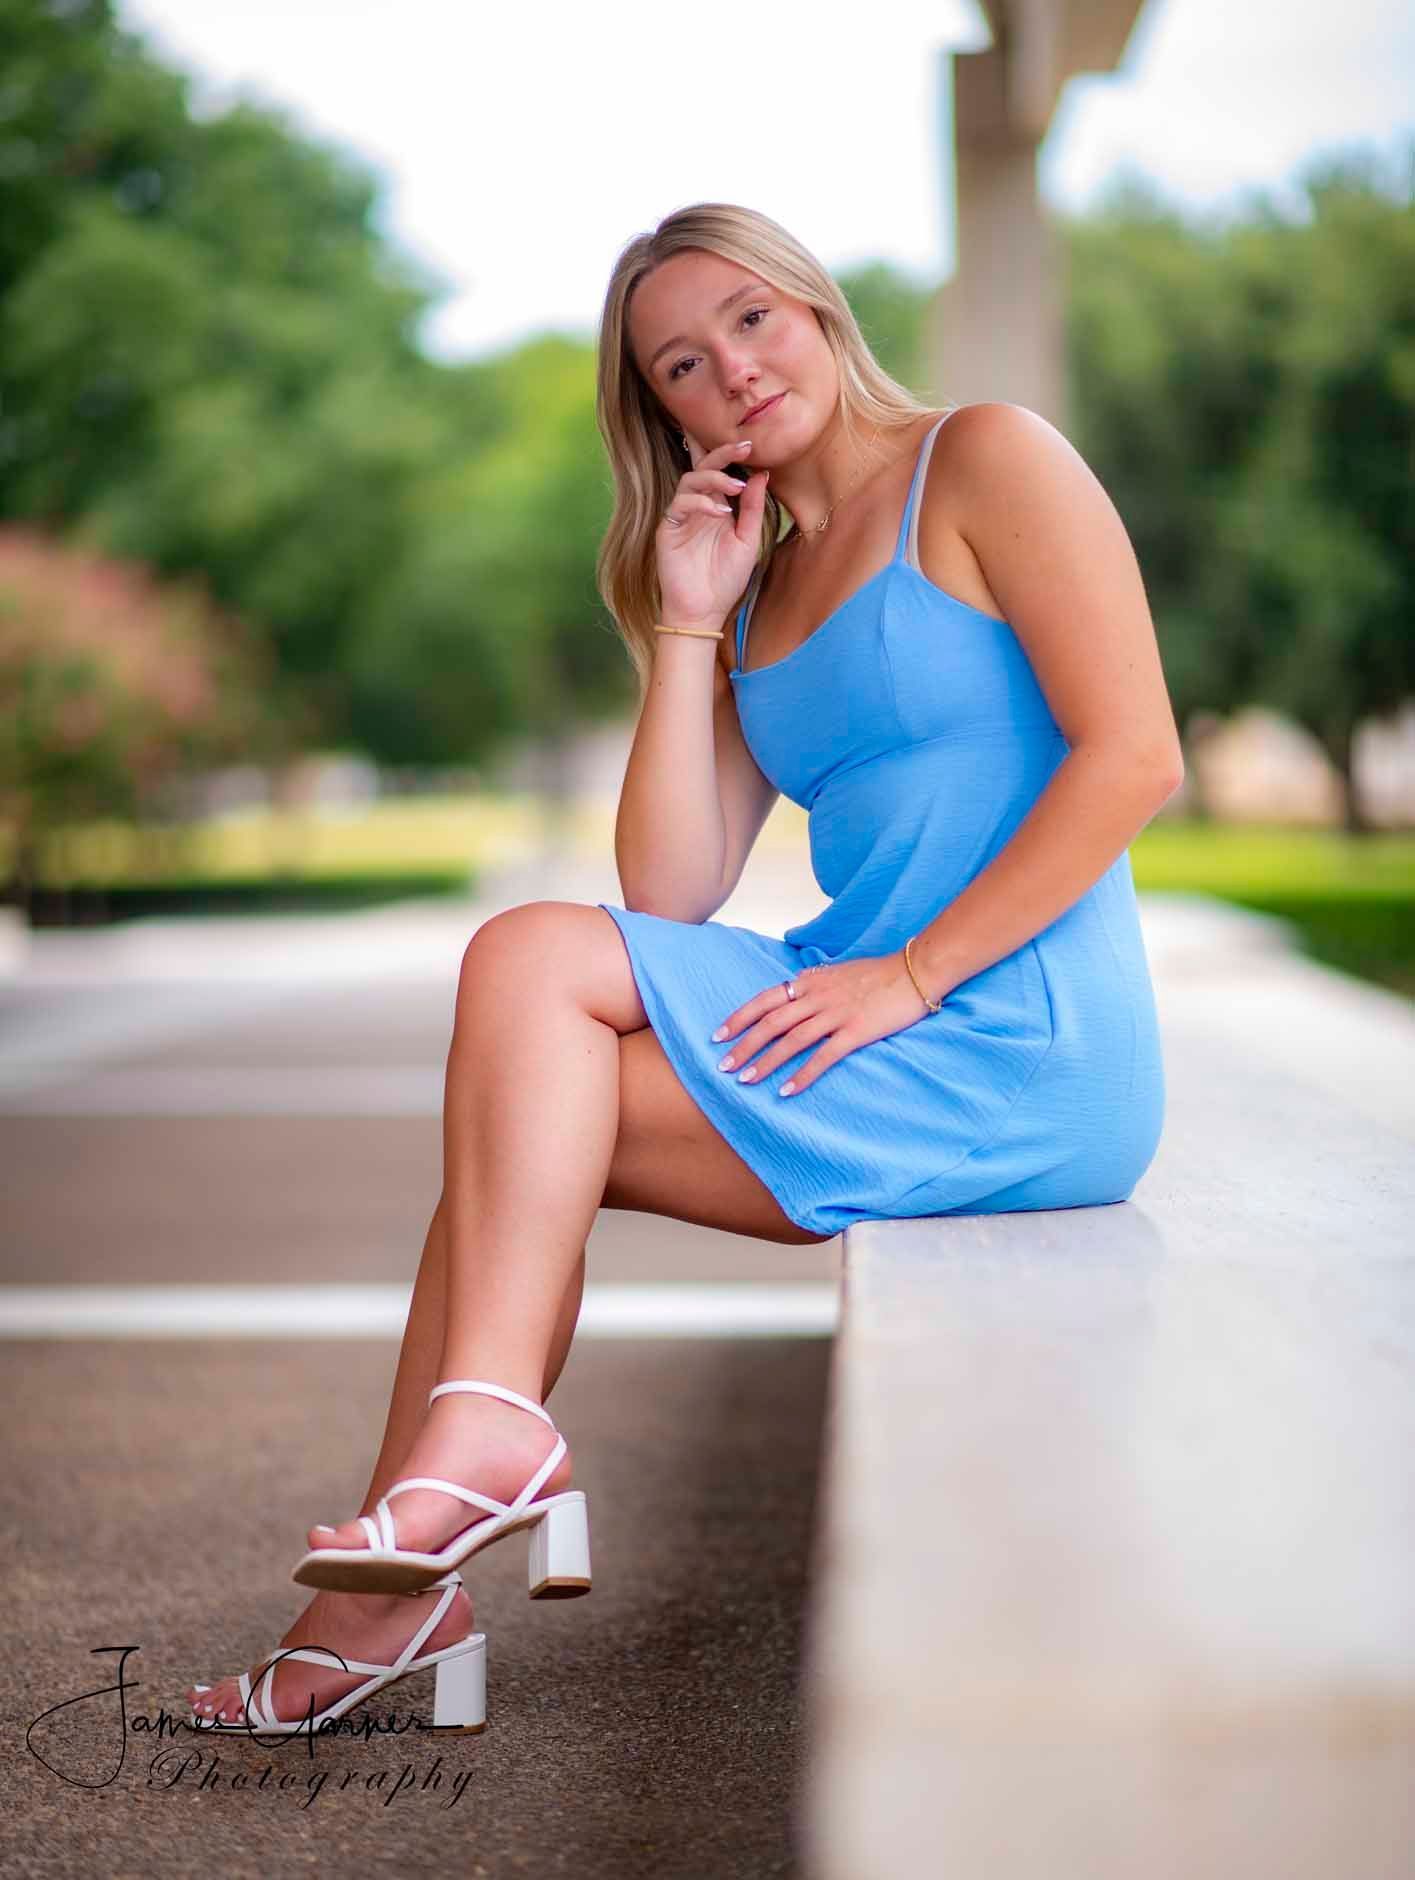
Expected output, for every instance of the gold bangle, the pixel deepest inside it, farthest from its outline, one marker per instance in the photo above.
(694, 633)
(934, 1005)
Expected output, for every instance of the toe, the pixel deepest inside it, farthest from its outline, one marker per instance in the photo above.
(349, 1534)
(207, 1699)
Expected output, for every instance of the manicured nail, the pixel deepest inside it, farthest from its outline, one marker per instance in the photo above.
(719, 1034)
(322, 1527)
(748, 1074)
(786, 1089)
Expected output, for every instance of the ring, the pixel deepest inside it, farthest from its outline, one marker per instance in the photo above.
(790, 988)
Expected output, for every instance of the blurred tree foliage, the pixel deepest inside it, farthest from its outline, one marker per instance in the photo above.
(1246, 393)
(892, 312)
(209, 361)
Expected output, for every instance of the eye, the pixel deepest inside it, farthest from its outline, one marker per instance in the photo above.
(763, 311)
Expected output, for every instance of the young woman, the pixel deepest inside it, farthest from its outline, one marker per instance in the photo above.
(949, 660)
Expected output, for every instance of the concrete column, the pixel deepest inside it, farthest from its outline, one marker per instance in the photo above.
(997, 324)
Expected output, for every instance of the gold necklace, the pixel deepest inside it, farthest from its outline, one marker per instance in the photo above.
(817, 528)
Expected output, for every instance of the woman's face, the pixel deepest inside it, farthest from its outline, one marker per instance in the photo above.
(713, 340)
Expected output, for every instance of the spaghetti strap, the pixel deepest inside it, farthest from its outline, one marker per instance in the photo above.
(906, 548)
(905, 544)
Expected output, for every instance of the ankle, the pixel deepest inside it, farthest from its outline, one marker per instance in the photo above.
(375, 1607)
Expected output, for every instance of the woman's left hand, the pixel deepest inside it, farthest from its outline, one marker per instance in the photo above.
(848, 1004)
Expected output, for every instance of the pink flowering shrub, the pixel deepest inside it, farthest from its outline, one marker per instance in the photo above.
(111, 682)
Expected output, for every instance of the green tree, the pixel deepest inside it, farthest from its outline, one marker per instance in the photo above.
(892, 312)
(1244, 392)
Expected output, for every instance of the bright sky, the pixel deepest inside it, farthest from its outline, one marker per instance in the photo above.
(523, 145)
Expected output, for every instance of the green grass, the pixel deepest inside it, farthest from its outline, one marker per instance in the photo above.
(1350, 899)
(391, 843)
(91, 904)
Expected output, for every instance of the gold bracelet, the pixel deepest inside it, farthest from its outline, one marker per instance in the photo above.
(694, 633)
(934, 1005)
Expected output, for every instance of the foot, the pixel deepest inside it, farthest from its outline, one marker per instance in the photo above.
(481, 1442)
(374, 1627)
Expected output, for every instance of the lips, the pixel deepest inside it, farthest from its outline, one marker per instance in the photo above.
(769, 404)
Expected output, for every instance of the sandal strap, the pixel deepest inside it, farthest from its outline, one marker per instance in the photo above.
(259, 1708)
(542, 1474)
(384, 1540)
(492, 1390)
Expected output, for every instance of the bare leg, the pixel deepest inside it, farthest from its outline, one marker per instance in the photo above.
(530, 1121)
(421, 1355)
(542, 1127)
(372, 1626)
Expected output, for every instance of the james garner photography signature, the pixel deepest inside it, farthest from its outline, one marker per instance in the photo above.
(169, 1768)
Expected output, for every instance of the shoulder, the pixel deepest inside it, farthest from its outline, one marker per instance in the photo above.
(1003, 469)
(994, 435)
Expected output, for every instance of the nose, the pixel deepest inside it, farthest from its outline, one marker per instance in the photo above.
(739, 375)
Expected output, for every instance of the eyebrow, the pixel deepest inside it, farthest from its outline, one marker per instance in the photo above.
(678, 339)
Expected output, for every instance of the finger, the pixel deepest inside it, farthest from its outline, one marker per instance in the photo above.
(749, 510)
(783, 1018)
(815, 1067)
(764, 1001)
(769, 999)
(712, 480)
(729, 448)
(695, 503)
(798, 1039)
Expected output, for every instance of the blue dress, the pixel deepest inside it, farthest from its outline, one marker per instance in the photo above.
(912, 729)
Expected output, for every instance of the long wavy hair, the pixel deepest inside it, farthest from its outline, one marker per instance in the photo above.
(646, 451)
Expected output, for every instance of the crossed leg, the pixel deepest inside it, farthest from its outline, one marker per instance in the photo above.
(559, 1100)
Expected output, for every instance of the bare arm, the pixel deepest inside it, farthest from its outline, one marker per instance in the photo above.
(691, 791)
(693, 800)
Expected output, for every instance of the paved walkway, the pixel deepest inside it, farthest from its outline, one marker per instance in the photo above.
(254, 1102)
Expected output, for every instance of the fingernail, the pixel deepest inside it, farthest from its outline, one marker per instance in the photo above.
(748, 1074)
(321, 1527)
(786, 1089)
(719, 1034)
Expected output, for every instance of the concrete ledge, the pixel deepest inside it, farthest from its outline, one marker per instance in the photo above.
(1116, 1567)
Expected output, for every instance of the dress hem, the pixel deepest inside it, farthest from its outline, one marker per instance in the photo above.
(716, 1114)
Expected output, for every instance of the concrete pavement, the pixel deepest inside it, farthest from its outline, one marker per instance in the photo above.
(256, 1101)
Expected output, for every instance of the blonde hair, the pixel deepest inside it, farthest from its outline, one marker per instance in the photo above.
(646, 453)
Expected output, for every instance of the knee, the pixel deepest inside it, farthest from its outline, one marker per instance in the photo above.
(511, 949)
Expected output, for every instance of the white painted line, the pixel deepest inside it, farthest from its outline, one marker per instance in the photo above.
(234, 1090)
(807, 1310)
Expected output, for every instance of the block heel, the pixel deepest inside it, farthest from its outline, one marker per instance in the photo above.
(559, 1565)
(459, 1701)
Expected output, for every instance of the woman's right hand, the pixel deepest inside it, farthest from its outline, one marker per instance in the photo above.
(705, 553)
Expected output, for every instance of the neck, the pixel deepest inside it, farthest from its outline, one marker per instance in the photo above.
(815, 483)
(831, 474)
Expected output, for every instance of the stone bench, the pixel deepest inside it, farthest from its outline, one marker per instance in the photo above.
(1116, 1567)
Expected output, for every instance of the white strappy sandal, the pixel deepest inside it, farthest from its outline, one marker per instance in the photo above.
(559, 1566)
(459, 1702)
